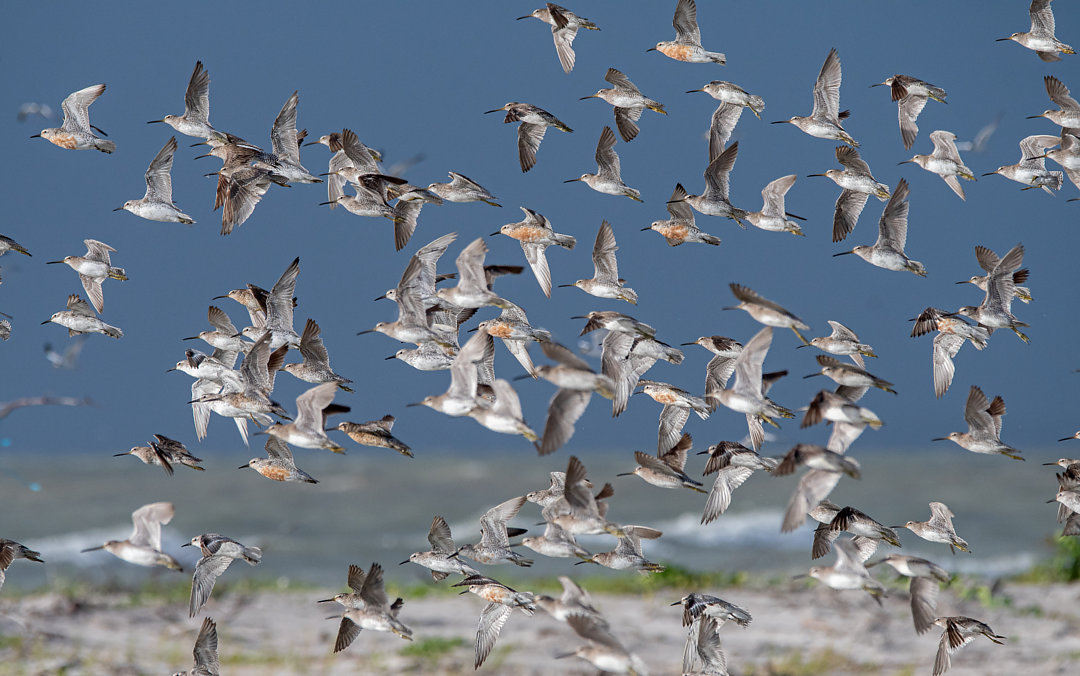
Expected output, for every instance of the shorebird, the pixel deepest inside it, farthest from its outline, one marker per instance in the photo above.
(627, 554)
(680, 228)
(826, 468)
(351, 600)
(605, 282)
(608, 176)
(77, 133)
(714, 200)
(747, 394)
(888, 251)
(316, 365)
(1068, 154)
(7, 244)
(837, 408)
(512, 326)
(667, 470)
(938, 528)
(1031, 170)
(472, 289)
(504, 415)
(824, 121)
(687, 43)
(143, 546)
(439, 560)
(555, 542)
(157, 203)
(729, 92)
(959, 630)
(461, 188)
(11, 550)
(349, 153)
(375, 433)
(79, 318)
(494, 545)
(945, 161)
(279, 304)
(628, 102)
(1042, 41)
(848, 572)
(719, 369)
(218, 552)
(284, 160)
(205, 652)
(703, 643)
(625, 357)
(984, 426)
(225, 336)
(165, 452)
(309, 431)
(925, 576)
(843, 341)
(564, 28)
(461, 396)
(834, 520)
(602, 649)
(576, 382)
(196, 118)
(377, 614)
(772, 214)
(501, 603)
(677, 406)
(573, 601)
(849, 375)
(578, 511)
(733, 464)
(952, 333)
(995, 312)
(910, 95)
(534, 123)
(279, 464)
(987, 261)
(1068, 114)
(94, 268)
(535, 234)
(696, 606)
(857, 184)
(765, 311)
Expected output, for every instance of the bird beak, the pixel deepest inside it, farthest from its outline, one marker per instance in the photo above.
(494, 111)
(809, 175)
(323, 204)
(877, 85)
(243, 466)
(393, 356)
(325, 601)
(590, 96)
(523, 376)
(475, 328)
(990, 174)
(495, 233)
(905, 162)
(560, 286)
(842, 253)
(118, 209)
(803, 345)
(92, 549)
(571, 180)
(1032, 117)
(940, 439)
(811, 375)
(360, 333)
(650, 227)
(415, 403)
(781, 122)
(312, 143)
(186, 544)
(381, 297)
(199, 157)
(403, 562)
(651, 49)
(45, 322)
(691, 91)
(153, 121)
(117, 455)
(625, 474)
(52, 262)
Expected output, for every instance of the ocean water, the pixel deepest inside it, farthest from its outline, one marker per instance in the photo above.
(374, 505)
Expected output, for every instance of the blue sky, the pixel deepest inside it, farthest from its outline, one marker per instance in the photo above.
(414, 79)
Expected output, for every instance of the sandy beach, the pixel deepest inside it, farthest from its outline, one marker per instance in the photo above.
(798, 629)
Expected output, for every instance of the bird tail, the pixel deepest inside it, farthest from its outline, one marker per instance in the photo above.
(566, 241)
(756, 104)
(105, 146)
(252, 555)
(710, 239)
(117, 273)
(113, 332)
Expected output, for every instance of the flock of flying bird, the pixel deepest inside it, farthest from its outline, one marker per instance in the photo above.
(430, 316)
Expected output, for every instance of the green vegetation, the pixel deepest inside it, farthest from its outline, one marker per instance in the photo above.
(1063, 566)
(431, 649)
(822, 662)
